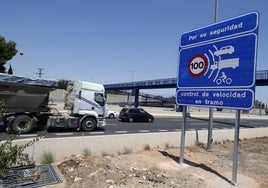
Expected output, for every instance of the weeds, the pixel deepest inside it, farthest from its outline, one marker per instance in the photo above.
(86, 152)
(104, 153)
(167, 146)
(47, 157)
(127, 150)
(147, 147)
(199, 144)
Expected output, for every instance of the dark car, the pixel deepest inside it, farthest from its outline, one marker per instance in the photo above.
(135, 115)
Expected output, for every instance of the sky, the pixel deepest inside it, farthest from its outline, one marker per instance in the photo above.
(114, 41)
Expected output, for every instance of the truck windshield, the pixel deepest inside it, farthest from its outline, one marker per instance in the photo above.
(99, 98)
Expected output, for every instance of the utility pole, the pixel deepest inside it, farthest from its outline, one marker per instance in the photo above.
(40, 72)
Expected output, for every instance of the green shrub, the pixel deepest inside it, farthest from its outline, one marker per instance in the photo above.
(199, 144)
(147, 147)
(127, 150)
(12, 155)
(47, 157)
(167, 146)
(86, 152)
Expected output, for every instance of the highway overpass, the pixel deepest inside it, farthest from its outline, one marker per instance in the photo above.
(261, 80)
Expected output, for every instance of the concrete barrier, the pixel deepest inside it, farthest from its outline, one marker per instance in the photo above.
(114, 144)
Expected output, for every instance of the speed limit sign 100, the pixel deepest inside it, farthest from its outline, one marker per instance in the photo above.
(198, 65)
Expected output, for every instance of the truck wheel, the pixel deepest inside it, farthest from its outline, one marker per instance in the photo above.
(89, 124)
(23, 124)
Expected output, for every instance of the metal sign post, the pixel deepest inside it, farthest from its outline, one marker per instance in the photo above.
(236, 142)
(183, 129)
(210, 128)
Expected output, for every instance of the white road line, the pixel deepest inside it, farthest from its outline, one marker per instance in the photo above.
(162, 130)
(96, 133)
(27, 135)
(112, 124)
(120, 132)
(64, 134)
(143, 131)
(198, 129)
(192, 129)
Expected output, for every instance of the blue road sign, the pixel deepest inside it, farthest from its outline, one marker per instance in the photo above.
(217, 64)
(235, 26)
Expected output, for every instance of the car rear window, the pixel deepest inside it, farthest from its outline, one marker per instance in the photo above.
(124, 109)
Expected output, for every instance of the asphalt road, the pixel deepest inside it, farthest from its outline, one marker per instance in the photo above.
(160, 124)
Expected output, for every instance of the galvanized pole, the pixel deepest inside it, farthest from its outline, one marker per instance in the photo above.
(236, 143)
(210, 125)
(210, 128)
(216, 11)
(183, 128)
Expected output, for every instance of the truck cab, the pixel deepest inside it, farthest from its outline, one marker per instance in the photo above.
(86, 104)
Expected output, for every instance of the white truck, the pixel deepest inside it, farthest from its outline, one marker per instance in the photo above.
(27, 104)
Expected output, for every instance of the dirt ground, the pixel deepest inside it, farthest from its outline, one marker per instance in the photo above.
(159, 167)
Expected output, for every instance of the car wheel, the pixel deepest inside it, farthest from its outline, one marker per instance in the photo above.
(131, 120)
(111, 116)
(150, 120)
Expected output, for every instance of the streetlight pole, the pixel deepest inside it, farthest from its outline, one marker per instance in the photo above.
(132, 75)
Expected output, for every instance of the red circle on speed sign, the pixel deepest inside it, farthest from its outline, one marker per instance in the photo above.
(198, 65)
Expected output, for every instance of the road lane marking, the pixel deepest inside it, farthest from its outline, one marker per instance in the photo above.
(27, 135)
(112, 124)
(96, 133)
(162, 130)
(191, 129)
(143, 131)
(64, 134)
(120, 132)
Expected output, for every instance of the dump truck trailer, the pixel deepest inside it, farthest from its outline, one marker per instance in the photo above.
(26, 104)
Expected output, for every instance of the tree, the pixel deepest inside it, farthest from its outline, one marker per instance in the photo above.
(7, 51)
(10, 70)
(62, 84)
